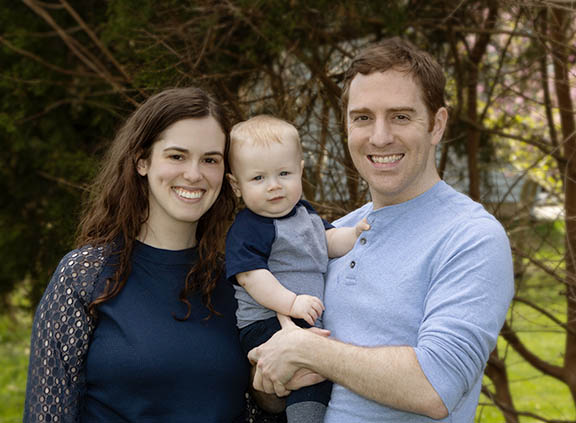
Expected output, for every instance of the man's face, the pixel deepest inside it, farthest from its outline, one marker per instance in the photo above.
(388, 136)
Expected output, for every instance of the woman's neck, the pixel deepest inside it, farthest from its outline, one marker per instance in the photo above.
(176, 237)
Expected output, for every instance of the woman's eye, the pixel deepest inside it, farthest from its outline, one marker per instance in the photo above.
(177, 157)
(210, 160)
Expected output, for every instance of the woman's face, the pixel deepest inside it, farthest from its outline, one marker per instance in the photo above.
(185, 172)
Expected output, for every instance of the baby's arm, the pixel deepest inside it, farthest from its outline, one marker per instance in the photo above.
(269, 292)
(341, 240)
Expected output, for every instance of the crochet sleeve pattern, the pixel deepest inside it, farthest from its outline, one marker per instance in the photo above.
(60, 338)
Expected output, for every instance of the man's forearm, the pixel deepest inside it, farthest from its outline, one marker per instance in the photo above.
(388, 375)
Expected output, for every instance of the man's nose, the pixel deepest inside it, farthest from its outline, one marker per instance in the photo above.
(381, 133)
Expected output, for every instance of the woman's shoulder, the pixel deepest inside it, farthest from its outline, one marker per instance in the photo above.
(84, 260)
(78, 271)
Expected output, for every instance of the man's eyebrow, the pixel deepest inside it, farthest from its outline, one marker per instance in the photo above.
(402, 109)
(359, 110)
(389, 110)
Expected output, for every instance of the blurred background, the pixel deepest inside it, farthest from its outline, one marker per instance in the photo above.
(72, 70)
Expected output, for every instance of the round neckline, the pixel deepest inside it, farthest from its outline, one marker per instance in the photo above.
(162, 256)
(395, 209)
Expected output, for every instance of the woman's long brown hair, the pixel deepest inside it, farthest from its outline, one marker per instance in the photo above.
(118, 203)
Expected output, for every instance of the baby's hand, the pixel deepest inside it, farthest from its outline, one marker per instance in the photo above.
(361, 226)
(307, 307)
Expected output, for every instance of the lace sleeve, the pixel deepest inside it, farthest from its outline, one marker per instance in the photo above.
(60, 337)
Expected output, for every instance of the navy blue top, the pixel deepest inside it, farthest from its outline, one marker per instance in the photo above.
(145, 366)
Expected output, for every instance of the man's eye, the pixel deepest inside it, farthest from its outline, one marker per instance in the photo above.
(360, 117)
(402, 117)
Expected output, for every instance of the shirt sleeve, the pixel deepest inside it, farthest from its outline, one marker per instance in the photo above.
(308, 206)
(465, 308)
(248, 244)
(60, 337)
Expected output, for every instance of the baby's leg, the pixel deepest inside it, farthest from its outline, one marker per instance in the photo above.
(308, 404)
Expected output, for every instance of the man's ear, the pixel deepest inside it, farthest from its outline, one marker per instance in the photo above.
(440, 120)
(142, 167)
(234, 184)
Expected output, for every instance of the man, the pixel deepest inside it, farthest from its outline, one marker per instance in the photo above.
(416, 307)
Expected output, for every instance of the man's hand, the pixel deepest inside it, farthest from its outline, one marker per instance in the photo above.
(276, 369)
(306, 307)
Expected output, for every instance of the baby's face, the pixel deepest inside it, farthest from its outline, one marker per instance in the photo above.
(268, 178)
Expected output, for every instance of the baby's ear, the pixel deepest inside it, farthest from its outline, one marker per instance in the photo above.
(234, 184)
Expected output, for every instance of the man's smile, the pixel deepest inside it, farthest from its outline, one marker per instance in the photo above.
(385, 159)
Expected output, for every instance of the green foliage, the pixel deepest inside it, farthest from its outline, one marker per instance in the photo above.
(14, 350)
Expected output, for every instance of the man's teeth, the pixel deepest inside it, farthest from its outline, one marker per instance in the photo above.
(188, 194)
(387, 159)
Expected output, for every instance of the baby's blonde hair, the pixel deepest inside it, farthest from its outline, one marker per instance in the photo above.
(262, 130)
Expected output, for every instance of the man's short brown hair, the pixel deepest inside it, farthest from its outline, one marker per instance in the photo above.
(400, 55)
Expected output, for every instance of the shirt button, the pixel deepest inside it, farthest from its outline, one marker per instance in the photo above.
(352, 264)
(362, 241)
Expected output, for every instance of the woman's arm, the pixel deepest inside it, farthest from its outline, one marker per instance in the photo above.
(60, 337)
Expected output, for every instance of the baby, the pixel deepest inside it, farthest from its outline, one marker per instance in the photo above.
(278, 247)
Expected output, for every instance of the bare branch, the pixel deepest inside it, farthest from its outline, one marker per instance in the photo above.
(84, 55)
(510, 336)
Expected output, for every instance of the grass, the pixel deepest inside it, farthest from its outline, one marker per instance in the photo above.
(533, 391)
(14, 350)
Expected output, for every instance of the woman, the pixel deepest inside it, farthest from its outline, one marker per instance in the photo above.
(138, 324)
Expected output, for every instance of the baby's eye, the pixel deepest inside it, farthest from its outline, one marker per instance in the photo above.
(284, 173)
(257, 178)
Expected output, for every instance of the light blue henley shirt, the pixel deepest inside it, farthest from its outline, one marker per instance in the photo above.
(434, 273)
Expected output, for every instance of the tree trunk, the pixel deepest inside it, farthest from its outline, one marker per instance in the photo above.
(474, 60)
(496, 371)
(560, 27)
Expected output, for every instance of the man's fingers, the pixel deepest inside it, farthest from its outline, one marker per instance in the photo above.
(303, 377)
(267, 385)
(318, 331)
(280, 390)
(285, 321)
(254, 355)
(257, 380)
